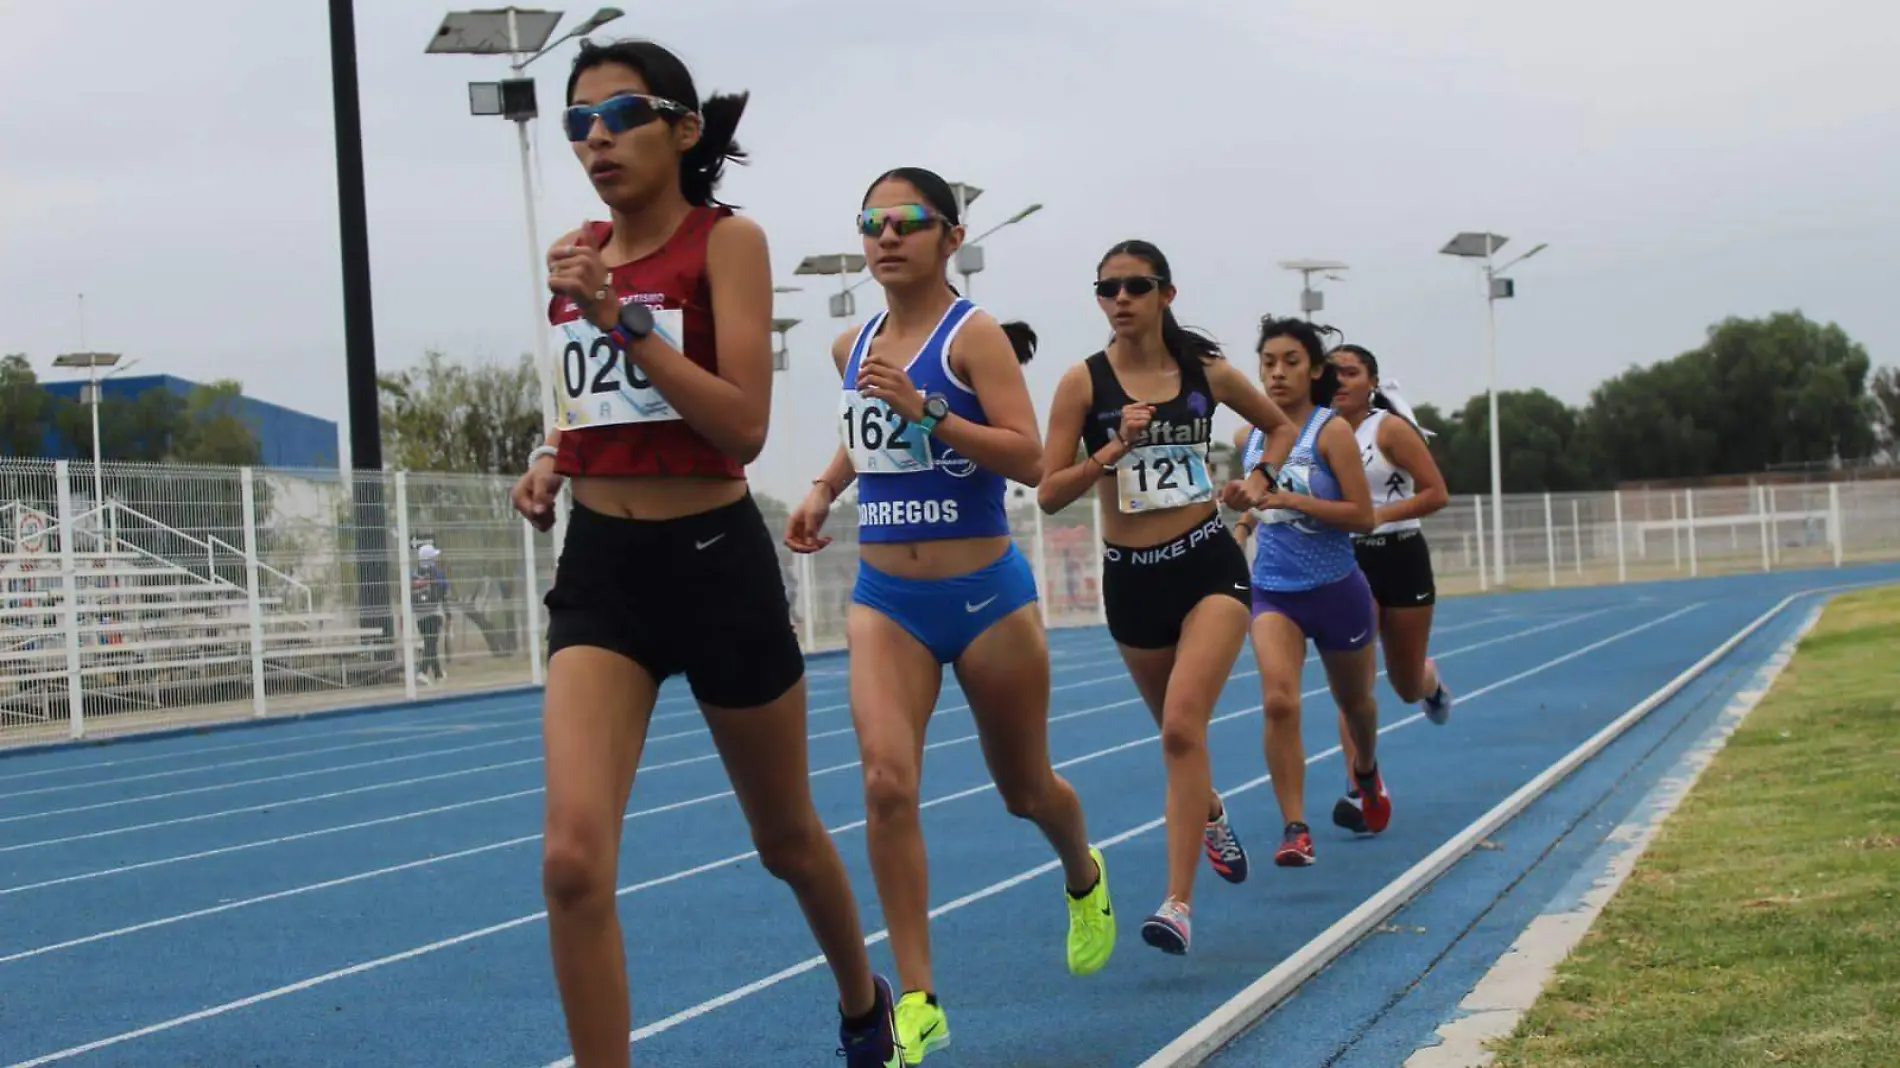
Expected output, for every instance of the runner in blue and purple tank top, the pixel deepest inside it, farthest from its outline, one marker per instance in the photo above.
(1306, 580)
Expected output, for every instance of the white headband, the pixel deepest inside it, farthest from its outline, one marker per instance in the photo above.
(1390, 391)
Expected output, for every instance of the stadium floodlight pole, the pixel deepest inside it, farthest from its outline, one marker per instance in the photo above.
(970, 256)
(1484, 245)
(522, 35)
(359, 333)
(842, 264)
(782, 355)
(1312, 300)
(92, 361)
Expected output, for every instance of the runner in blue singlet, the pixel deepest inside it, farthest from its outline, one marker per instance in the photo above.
(934, 419)
(1306, 580)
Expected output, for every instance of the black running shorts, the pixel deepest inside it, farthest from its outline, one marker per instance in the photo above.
(1398, 567)
(701, 595)
(1149, 591)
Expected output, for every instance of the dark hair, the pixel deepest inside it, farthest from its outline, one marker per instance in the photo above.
(705, 163)
(943, 200)
(937, 192)
(1311, 338)
(1372, 368)
(1188, 347)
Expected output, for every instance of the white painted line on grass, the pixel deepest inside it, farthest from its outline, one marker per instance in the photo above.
(1194, 1046)
(1492, 1009)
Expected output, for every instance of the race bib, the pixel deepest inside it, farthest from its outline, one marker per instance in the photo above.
(1152, 478)
(1294, 478)
(595, 385)
(878, 440)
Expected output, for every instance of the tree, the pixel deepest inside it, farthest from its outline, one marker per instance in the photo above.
(1758, 392)
(209, 430)
(443, 416)
(1885, 391)
(24, 407)
(1542, 447)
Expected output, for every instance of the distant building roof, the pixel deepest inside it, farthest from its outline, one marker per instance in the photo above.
(285, 437)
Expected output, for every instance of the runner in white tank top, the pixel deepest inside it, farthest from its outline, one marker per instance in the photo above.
(1406, 486)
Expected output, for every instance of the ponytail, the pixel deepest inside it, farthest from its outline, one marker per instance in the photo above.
(704, 164)
(1190, 348)
(1022, 339)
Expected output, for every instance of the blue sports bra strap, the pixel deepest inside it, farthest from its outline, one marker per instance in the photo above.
(863, 343)
(1309, 435)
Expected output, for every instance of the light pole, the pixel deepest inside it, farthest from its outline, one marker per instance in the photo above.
(1312, 300)
(970, 256)
(842, 264)
(89, 395)
(782, 356)
(1484, 245)
(521, 34)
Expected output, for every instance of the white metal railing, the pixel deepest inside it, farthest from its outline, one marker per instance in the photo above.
(298, 594)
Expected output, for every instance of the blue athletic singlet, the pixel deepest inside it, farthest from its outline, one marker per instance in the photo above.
(1294, 551)
(913, 487)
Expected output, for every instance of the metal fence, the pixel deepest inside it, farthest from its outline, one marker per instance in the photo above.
(154, 595)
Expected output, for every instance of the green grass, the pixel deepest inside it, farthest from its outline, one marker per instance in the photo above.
(1762, 927)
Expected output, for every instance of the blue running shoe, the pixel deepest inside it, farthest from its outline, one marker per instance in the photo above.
(874, 1046)
(1224, 853)
(1170, 929)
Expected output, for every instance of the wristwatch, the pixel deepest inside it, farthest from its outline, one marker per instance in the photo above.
(1266, 468)
(936, 410)
(636, 322)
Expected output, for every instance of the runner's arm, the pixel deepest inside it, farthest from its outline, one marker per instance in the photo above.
(839, 474)
(1409, 452)
(1011, 443)
(732, 408)
(1233, 390)
(1063, 480)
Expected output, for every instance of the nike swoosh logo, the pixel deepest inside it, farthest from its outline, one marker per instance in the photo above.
(980, 605)
(1241, 586)
(1360, 635)
(707, 542)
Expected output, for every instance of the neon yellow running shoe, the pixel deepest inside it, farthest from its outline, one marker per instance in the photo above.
(922, 1027)
(1091, 923)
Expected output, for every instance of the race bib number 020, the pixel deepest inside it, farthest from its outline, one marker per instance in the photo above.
(1152, 478)
(878, 440)
(595, 384)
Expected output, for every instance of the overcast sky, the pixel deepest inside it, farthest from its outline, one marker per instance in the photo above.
(1685, 159)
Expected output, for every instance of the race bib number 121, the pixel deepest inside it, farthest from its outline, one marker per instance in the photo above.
(1153, 478)
(595, 385)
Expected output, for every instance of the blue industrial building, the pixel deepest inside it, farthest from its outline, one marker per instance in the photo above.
(286, 438)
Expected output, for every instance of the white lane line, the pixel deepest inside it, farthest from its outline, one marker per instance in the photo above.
(333, 794)
(809, 963)
(510, 795)
(723, 862)
(327, 769)
(418, 719)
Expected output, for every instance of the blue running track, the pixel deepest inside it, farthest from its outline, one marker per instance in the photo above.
(365, 890)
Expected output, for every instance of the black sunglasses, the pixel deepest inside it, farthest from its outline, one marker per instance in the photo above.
(1139, 285)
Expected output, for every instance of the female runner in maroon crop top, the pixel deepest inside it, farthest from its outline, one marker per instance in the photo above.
(668, 567)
